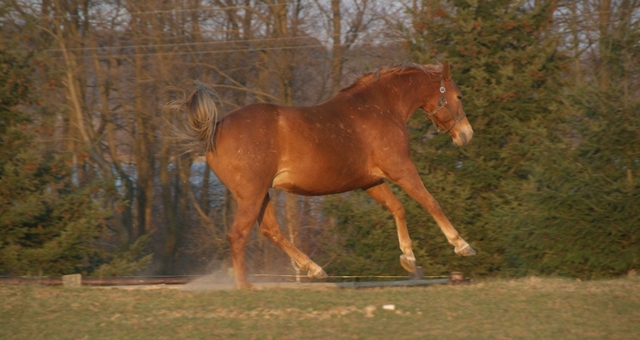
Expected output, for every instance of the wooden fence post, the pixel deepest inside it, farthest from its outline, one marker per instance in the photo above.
(418, 275)
(72, 281)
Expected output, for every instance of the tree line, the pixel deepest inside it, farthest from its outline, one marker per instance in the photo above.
(91, 181)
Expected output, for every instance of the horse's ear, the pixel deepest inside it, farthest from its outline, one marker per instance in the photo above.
(446, 70)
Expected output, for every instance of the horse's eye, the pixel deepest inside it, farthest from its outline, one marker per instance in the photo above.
(459, 97)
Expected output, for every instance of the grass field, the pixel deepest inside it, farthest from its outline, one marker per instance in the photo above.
(530, 308)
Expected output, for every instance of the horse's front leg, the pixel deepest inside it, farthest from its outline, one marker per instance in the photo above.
(383, 195)
(407, 178)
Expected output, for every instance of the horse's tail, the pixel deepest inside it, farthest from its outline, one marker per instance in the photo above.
(202, 117)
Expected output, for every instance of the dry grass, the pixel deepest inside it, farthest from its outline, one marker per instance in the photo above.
(529, 308)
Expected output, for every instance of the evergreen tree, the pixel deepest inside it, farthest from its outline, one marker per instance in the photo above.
(48, 224)
(44, 227)
(506, 65)
(509, 71)
(582, 216)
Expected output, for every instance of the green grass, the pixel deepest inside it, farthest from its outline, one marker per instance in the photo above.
(529, 308)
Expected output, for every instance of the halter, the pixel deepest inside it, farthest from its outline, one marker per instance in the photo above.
(442, 103)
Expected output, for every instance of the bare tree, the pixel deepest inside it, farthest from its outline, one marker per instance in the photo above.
(111, 66)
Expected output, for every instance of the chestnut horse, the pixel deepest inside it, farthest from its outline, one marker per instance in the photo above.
(355, 140)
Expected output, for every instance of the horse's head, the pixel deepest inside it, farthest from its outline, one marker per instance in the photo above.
(445, 109)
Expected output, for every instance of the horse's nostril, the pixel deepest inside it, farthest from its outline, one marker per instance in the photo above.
(463, 136)
(469, 134)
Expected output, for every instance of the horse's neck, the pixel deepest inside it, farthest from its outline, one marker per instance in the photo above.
(395, 94)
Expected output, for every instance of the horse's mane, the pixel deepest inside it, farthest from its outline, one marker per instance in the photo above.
(372, 77)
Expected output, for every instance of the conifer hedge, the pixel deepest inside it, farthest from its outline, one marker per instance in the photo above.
(549, 183)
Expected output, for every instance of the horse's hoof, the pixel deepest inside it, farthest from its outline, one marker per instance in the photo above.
(408, 264)
(317, 273)
(466, 250)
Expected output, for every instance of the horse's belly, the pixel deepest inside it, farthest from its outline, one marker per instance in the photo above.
(321, 184)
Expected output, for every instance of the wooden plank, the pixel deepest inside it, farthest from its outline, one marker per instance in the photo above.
(96, 281)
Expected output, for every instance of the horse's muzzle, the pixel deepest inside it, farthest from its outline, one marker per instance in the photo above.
(462, 135)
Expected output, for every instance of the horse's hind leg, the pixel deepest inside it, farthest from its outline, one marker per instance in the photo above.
(270, 228)
(383, 194)
(246, 216)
